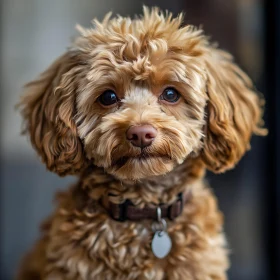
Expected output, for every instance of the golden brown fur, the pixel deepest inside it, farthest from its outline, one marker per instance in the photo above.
(210, 127)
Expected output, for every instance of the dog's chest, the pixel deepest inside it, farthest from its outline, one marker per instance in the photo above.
(122, 248)
(101, 248)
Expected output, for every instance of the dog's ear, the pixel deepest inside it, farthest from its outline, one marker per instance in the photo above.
(234, 112)
(48, 109)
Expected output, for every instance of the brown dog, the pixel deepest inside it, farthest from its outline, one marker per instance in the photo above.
(138, 109)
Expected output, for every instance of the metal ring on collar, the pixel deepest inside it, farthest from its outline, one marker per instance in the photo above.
(159, 226)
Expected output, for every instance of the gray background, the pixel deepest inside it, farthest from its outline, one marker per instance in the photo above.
(33, 34)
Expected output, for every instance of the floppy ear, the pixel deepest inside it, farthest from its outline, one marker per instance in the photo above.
(234, 112)
(48, 109)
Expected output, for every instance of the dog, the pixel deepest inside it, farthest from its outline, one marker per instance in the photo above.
(138, 109)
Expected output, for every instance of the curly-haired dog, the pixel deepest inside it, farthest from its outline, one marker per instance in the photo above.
(138, 110)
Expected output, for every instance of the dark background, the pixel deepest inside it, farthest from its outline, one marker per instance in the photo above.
(35, 32)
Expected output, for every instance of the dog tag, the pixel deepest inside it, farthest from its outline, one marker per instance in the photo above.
(161, 244)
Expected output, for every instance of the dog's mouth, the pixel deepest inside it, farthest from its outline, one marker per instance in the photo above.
(142, 157)
(142, 165)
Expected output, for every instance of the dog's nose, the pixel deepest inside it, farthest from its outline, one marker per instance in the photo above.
(141, 135)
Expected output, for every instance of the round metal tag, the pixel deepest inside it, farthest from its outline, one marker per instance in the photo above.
(161, 244)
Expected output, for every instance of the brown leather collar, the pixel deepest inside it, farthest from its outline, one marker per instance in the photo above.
(128, 211)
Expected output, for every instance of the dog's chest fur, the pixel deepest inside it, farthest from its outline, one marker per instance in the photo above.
(90, 245)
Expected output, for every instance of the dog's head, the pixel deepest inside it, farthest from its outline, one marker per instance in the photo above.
(139, 97)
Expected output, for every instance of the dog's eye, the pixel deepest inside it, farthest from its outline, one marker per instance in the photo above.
(108, 98)
(170, 95)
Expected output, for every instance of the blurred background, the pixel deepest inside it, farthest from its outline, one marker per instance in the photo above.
(35, 32)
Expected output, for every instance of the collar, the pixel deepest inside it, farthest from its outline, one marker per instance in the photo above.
(128, 211)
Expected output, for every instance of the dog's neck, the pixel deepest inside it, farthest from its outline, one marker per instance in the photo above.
(155, 190)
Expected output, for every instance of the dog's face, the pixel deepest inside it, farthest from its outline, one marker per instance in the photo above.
(138, 112)
(140, 97)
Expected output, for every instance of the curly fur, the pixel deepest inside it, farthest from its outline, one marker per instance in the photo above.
(209, 128)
